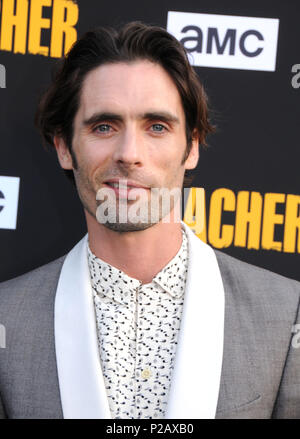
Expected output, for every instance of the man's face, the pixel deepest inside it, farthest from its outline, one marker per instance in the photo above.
(130, 126)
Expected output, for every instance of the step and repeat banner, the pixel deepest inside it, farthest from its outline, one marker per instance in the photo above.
(245, 194)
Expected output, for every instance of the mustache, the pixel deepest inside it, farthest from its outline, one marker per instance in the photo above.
(99, 179)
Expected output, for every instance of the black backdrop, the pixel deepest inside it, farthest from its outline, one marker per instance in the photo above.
(255, 148)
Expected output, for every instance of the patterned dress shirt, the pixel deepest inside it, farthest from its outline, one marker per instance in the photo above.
(137, 328)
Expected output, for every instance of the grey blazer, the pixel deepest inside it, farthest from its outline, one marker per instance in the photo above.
(260, 371)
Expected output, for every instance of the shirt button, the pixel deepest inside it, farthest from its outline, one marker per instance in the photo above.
(146, 374)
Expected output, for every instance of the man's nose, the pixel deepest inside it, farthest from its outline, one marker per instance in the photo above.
(129, 149)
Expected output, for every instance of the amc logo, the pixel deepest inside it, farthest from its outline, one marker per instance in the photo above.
(9, 197)
(227, 41)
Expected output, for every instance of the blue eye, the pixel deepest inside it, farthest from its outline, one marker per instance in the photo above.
(157, 127)
(103, 128)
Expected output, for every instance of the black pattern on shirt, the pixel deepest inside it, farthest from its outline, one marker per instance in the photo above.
(138, 326)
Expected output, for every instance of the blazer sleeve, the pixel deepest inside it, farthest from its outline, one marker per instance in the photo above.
(287, 405)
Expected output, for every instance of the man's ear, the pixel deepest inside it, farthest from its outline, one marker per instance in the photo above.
(193, 157)
(63, 153)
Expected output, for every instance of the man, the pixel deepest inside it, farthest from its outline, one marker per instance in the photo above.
(141, 319)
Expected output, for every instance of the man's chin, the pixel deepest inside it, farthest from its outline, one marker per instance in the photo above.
(127, 227)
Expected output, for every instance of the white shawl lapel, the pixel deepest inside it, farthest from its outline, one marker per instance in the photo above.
(197, 371)
(81, 382)
(196, 376)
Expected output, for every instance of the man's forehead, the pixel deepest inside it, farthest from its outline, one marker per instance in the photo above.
(141, 86)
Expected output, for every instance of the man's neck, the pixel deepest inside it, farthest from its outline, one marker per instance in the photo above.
(141, 255)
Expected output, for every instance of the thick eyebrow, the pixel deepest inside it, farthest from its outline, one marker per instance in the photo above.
(100, 117)
(164, 116)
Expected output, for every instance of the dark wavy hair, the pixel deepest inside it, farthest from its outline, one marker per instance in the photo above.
(58, 106)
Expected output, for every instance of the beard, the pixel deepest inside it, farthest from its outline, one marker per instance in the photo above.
(137, 213)
(131, 214)
(127, 227)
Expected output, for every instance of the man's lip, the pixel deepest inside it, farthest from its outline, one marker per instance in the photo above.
(129, 183)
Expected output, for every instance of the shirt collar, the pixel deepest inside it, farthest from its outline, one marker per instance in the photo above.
(172, 277)
(113, 283)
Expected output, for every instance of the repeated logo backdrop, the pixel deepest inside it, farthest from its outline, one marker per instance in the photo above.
(246, 196)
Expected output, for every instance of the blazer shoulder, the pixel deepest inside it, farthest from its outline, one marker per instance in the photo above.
(40, 278)
(256, 279)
